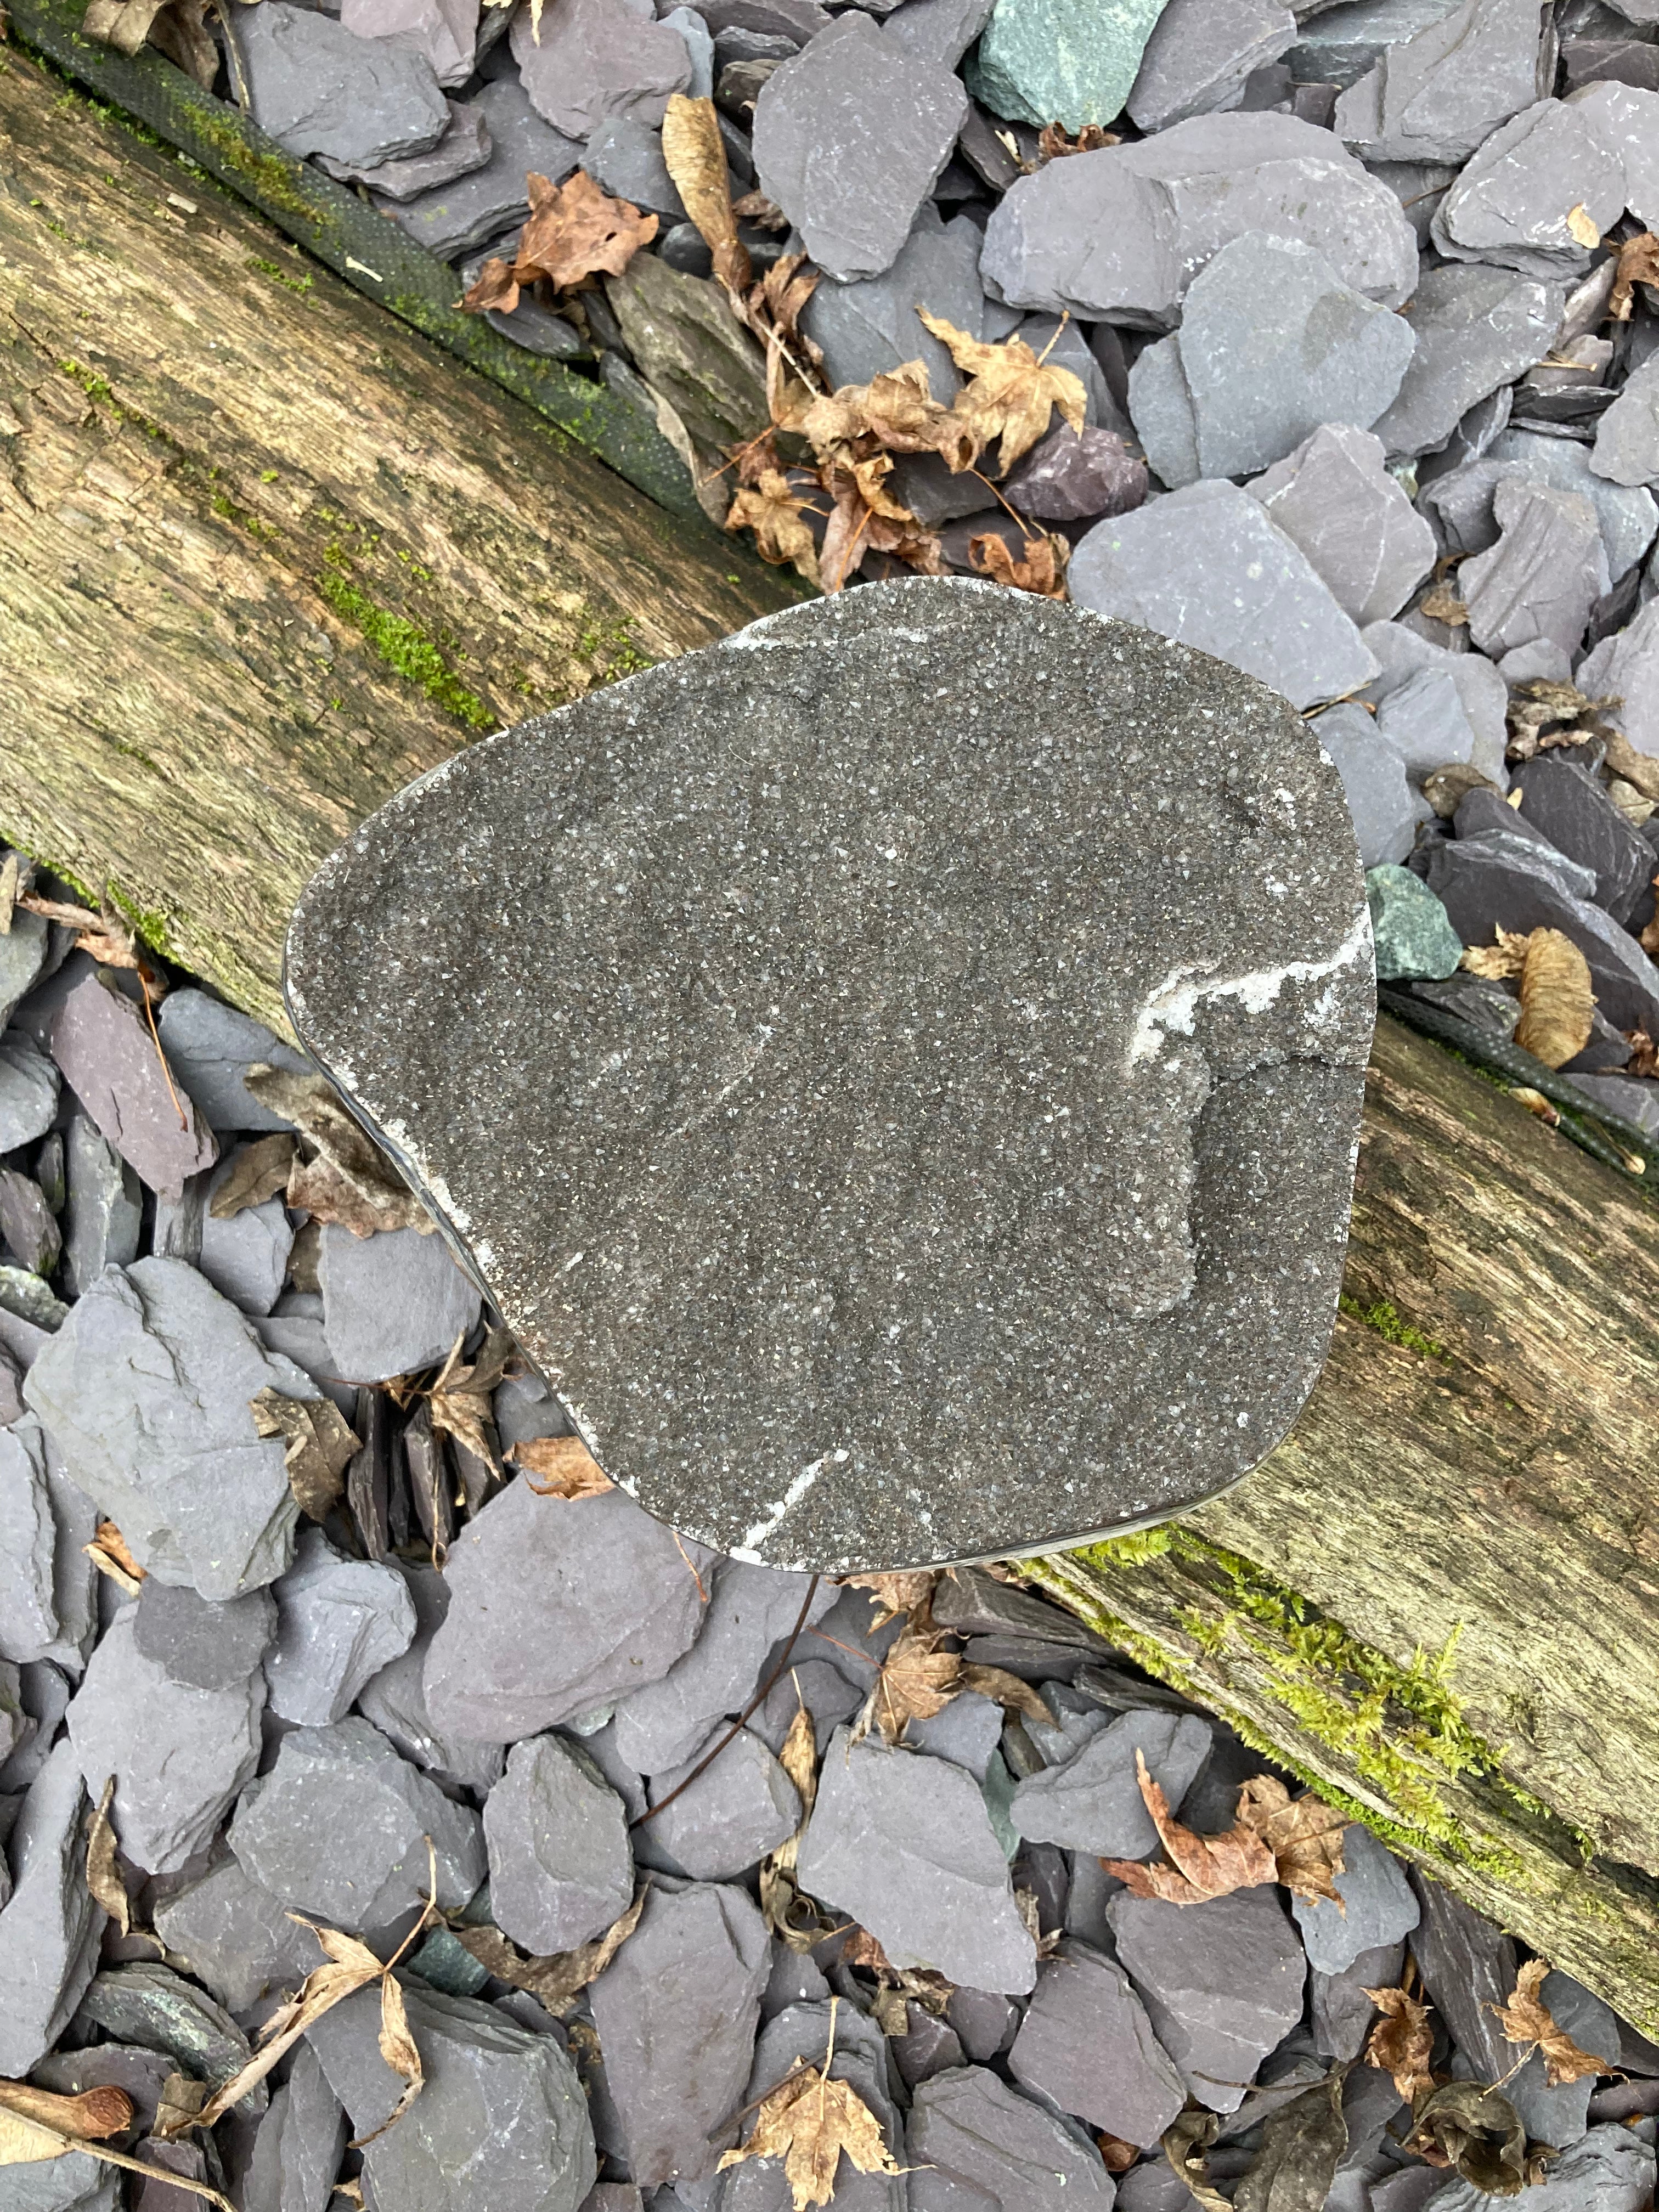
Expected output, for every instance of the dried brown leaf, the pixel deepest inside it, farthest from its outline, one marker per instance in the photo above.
(351, 1181)
(766, 214)
(1643, 1053)
(1639, 264)
(865, 518)
(796, 1919)
(1116, 2155)
(1303, 1834)
(576, 230)
(1040, 569)
(557, 1982)
(103, 1874)
(1557, 1003)
(1185, 2141)
(1471, 2127)
(895, 1593)
(178, 2104)
(348, 1967)
(494, 290)
(257, 1173)
(1053, 143)
(109, 1554)
(318, 1446)
(808, 2121)
(776, 513)
(861, 1949)
(1403, 2042)
(1303, 2144)
(695, 152)
(1442, 605)
(918, 1678)
(1010, 393)
(1200, 1866)
(397, 2048)
(1582, 226)
(560, 1467)
(1527, 2019)
(1006, 1690)
(896, 410)
(461, 1400)
(89, 2118)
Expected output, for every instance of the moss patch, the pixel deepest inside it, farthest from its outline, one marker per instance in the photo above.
(407, 650)
(1391, 1328)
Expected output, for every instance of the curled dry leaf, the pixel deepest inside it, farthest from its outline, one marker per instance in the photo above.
(1116, 2155)
(1442, 605)
(558, 1981)
(1557, 1003)
(918, 1678)
(573, 230)
(895, 1593)
(766, 214)
(1582, 226)
(398, 2050)
(1303, 1834)
(808, 2121)
(1525, 2018)
(896, 410)
(176, 28)
(1471, 2127)
(865, 518)
(1643, 1053)
(1040, 569)
(260, 1171)
(1639, 264)
(103, 1874)
(1011, 391)
(351, 1181)
(1006, 1690)
(1303, 2144)
(104, 935)
(1186, 2141)
(461, 1398)
(861, 1949)
(799, 1761)
(109, 1554)
(180, 2101)
(776, 513)
(1403, 2042)
(1053, 143)
(1199, 1866)
(695, 152)
(560, 1467)
(318, 1445)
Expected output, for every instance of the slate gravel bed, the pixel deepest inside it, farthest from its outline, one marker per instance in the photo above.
(440, 1708)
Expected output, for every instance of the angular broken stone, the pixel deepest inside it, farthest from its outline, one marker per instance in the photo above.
(871, 326)
(688, 346)
(28, 1091)
(857, 2054)
(1460, 503)
(1511, 203)
(1048, 61)
(179, 1754)
(203, 1646)
(902, 1843)
(1086, 2044)
(339, 1827)
(740, 1452)
(210, 1047)
(1378, 1906)
(1437, 95)
(677, 2011)
(1093, 1802)
(560, 1869)
(22, 956)
(32, 1720)
(1121, 232)
(1572, 808)
(1272, 344)
(1476, 328)
(1414, 940)
(49, 1931)
(557, 1606)
(1423, 718)
(597, 58)
(830, 1698)
(339, 1622)
(624, 157)
(317, 89)
(1206, 566)
(296, 2152)
(1199, 54)
(966, 1732)
(1626, 449)
(445, 31)
(1610, 2169)
(395, 1699)
(1221, 1981)
(465, 147)
(1546, 572)
(1340, 2010)
(29, 1626)
(104, 1208)
(750, 1609)
(145, 1390)
(27, 1224)
(850, 138)
(1482, 690)
(102, 1045)
(457, 216)
(150, 2005)
(1334, 499)
(988, 2145)
(938, 31)
(1073, 475)
(392, 1303)
(731, 1816)
(245, 1257)
(1468, 1969)
(236, 1937)
(502, 2118)
(1625, 668)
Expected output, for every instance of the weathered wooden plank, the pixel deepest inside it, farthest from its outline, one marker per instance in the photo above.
(268, 552)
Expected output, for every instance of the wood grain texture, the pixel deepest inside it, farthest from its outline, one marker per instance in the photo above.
(268, 553)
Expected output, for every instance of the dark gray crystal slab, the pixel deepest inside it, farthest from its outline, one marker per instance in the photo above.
(897, 1072)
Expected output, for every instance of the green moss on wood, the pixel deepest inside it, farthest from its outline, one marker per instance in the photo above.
(406, 649)
(1389, 1325)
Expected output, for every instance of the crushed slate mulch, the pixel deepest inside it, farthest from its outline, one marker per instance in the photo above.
(644, 1876)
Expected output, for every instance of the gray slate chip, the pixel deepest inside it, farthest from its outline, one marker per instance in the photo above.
(1252, 381)
(1482, 690)
(1086, 2044)
(338, 1830)
(1339, 2011)
(1120, 233)
(937, 30)
(827, 1695)
(104, 1049)
(501, 2121)
(1468, 1966)
(29, 1626)
(739, 1450)
(392, 1303)
(1380, 1906)
(871, 326)
(750, 1609)
(1626, 449)
(236, 1937)
(902, 1844)
(966, 1732)
(1509, 204)
(1206, 566)
(201, 1645)
(1437, 95)
(850, 138)
(556, 1607)
(560, 1869)
(297, 2150)
(998, 2149)
(1333, 498)
(246, 1257)
(1222, 1983)
(1560, 2115)
(210, 1046)
(146, 1389)
(104, 1210)
(1629, 514)
(1200, 55)
(597, 58)
(22, 956)
(28, 1091)
(1071, 476)
(1572, 808)
(126, 2066)
(1546, 571)
(51, 1930)
(339, 1622)
(739, 1809)
(179, 1754)
(1626, 667)
(395, 1699)
(676, 2011)
(624, 157)
(464, 147)
(75, 2183)
(1610, 2169)
(1476, 328)
(458, 217)
(445, 31)
(1093, 1802)
(318, 90)
(147, 2003)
